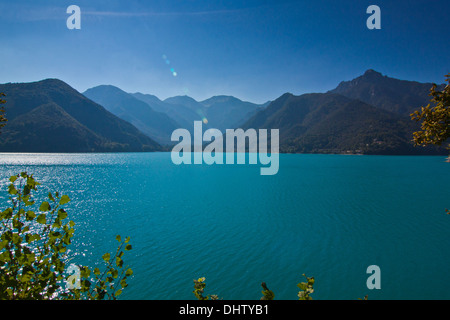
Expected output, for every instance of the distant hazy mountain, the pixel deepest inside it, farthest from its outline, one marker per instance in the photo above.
(182, 114)
(332, 123)
(158, 119)
(185, 101)
(220, 112)
(157, 125)
(399, 96)
(51, 116)
(227, 112)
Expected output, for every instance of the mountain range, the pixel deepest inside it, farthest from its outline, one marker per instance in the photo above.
(156, 125)
(51, 116)
(158, 119)
(369, 115)
(398, 96)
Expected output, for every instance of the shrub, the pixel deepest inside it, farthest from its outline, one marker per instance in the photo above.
(33, 251)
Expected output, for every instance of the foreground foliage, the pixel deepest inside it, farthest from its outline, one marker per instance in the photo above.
(306, 289)
(199, 288)
(34, 246)
(435, 120)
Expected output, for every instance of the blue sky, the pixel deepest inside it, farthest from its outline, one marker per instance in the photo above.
(254, 50)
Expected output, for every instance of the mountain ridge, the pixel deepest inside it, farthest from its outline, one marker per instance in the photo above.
(156, 125)
(221, 111)
(400, 96)
(51, 116)
(332, 122)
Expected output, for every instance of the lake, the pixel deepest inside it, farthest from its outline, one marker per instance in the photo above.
(328, 216)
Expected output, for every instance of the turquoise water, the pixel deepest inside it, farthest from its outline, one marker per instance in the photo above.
(329, 216)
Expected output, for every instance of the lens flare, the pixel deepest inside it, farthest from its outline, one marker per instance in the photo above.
(172, 70)
(165, 59)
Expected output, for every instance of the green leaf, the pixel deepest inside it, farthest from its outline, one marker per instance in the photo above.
(26, 277)
(106, 257)
(128, 247)
(7, 214)
(31, 257)
(129, 272)
(16, 239)
(62, 214)
(32, 237)
(118, 238)
(42, 218)
(51, 197)
(85, 284)
(57, 223)
(64, 199)
(302, 286)
(85, 272)
(12, 189)
(26, 189)
(13, 178)
(45, 206)
(5, 257)
(30, 215)
(115, 273)
(3, 244)
(27, 201)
